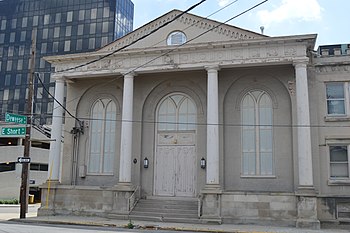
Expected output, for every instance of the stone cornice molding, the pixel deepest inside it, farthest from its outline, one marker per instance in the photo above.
(233, 33)
(189, 60)
(294, 41)
(332, 68)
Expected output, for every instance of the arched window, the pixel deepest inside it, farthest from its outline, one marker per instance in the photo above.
(257, 134)
(177, 112)
(102, 137)
(176, 38)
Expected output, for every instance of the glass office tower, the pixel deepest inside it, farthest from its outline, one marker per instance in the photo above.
(63, 26)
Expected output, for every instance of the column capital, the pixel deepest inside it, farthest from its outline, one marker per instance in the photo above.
(58, 78)
(212, 68)
(129, 74)
(300, 62)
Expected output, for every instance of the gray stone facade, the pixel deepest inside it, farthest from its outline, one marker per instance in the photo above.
(248, 63)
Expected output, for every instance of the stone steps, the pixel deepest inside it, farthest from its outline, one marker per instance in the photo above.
(166, 210)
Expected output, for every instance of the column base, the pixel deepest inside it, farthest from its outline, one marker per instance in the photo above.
(309, 224)
(122, 198)
(211, 204)
(125, 186)
(48, 194)
(306, 190)
(307, 212)
(212, 188)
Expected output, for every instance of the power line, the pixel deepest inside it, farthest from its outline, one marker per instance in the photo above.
(106, 83)
(70, 114)
(135, 41)
(153, 31)
(201, 34)
(176, 47)
(206, 124)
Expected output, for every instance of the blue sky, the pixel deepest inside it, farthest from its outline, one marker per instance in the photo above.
(328, 18)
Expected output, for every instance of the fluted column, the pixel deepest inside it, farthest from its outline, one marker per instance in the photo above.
(303, 121)
(212, 127)
(126, 131)
(56, 132)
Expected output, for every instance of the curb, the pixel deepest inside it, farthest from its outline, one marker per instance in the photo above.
(144, 227)
(16, 205)
(65, 223)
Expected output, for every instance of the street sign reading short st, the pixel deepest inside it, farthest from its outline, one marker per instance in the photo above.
(13, 131)
(9, 117)
(23, 159)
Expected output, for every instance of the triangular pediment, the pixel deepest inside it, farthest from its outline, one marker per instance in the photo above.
(197, 30)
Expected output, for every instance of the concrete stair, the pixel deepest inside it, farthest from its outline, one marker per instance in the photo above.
(183, 210)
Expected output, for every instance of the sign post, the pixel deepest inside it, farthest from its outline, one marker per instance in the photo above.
(25, 169)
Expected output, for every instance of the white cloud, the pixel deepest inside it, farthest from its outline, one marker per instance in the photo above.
(223, 2)
(300, 10)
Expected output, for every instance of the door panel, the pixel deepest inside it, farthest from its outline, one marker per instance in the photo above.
(165, 171)
(185, 171)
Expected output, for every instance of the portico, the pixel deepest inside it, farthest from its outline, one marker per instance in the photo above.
(227, 101)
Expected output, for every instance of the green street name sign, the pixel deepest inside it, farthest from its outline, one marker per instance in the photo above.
(13, 131)
(9, 117)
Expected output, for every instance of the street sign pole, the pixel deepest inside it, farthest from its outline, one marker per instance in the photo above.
(25, 176)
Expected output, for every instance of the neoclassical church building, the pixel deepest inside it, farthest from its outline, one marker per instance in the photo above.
(204, 122)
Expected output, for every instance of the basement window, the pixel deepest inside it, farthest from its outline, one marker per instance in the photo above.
(39, 167)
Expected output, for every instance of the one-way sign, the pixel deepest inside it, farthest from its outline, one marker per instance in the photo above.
(23, 159)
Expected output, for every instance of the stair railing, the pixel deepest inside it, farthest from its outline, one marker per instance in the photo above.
(200, 203)
(133, 199)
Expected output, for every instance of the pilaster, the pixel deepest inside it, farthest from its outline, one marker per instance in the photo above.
(307, 201)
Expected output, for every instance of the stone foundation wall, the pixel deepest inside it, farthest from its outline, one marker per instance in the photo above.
(277, 209)
(83, 201)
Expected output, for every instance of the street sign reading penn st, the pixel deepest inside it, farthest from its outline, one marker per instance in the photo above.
(13, 131)
(9, 117)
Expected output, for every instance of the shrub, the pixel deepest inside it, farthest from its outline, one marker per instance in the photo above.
(9, 202)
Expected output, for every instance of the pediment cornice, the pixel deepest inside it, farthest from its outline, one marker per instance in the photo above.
(190, 20)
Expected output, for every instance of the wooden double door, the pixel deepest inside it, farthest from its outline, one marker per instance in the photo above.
(175, 147)
(175, 173)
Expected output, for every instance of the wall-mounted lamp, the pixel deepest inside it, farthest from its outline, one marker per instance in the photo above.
(145, 163)
(203, 163)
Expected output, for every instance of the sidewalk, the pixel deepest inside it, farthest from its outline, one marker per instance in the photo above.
(12, 211)
(97, 221)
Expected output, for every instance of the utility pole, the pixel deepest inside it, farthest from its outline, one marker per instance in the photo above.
(25, 176)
